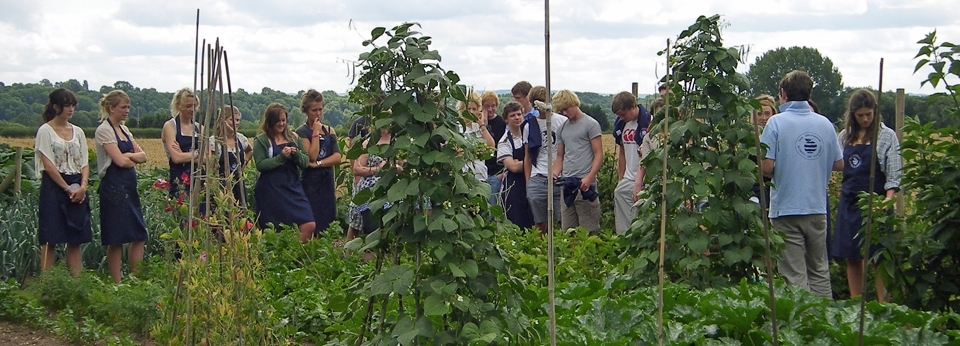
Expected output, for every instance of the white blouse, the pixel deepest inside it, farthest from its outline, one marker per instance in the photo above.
(106, 135)
(68, 156)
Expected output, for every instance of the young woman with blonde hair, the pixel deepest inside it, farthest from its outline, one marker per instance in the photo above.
(180, 137)
(230, 149)
(121, 215)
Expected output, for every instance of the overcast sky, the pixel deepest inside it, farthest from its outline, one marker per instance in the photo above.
(598, 45)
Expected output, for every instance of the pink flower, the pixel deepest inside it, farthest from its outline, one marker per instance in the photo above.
(161, 184)
(185, 178)
(203, 256)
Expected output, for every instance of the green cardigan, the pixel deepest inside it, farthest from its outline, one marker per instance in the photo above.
(264, 163)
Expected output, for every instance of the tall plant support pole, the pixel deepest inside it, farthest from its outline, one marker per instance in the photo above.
(197, 64)
(665, 132)
(899, 122)
(208, 116)
(873, 177)
(243, 192)
(767, 257)
(551, 277)
(17, 173)
(196, 51)
(191, 200)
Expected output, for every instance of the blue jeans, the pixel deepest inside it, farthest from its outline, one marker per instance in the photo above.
(495, 185)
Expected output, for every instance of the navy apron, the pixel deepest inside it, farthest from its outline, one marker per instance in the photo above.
(235, 161)
(177, 170)
(279, 194)
(60, 220)
(123, 223)
(515, 192)
(856, 178)
(319, 186)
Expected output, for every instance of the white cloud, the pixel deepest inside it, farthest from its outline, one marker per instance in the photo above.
(601, 46)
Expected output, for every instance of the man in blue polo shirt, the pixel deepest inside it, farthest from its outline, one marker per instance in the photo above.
(803, 149)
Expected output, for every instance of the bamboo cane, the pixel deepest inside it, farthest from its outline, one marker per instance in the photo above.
(208, 117)
(551, 275)
(243, 192)
(220, 136)
(767, 257)
(665, 132)
(196, 51)
(180, 274)
(191, 202)
(17, 173)
(873, 178)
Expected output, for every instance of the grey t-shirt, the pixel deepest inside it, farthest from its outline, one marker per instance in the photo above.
(575, 136)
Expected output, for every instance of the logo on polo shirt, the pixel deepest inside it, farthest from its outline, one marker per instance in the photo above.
(810, 145)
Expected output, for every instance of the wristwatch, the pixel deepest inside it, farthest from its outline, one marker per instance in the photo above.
(320, 163)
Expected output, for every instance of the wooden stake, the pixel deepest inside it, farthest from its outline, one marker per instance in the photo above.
(551, 274)
(243, 192)
(196, 50)
(901, 98)
(665, 133)
(767, 257)
(873, 177)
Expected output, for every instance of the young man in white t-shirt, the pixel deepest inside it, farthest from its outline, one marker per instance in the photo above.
(625, 106)
(535, 163)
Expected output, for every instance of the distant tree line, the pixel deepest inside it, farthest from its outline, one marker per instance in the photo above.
(22, 104)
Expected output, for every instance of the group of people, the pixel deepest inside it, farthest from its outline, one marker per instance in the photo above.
(519, 174)
(804, 149)
(296, 184)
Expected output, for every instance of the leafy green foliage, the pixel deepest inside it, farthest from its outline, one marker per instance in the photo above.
(592, 312)
(713, 232)
(57, 290)
(923, 268)
(579, 254)
(19, 306)
(443, 257)
(930, 273)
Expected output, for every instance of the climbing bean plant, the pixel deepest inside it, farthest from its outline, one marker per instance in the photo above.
(923, 269)
(713, 230)
(436, 278)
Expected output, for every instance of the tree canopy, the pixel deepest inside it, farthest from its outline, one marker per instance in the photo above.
(765, 74)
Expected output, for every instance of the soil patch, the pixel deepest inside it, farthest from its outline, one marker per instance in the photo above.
(15, 334)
